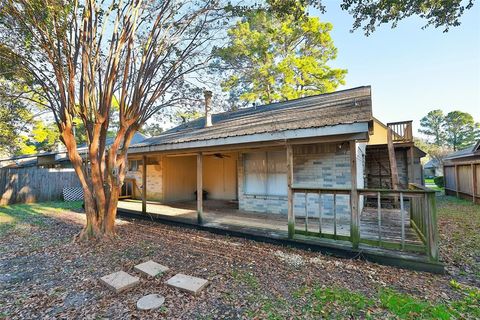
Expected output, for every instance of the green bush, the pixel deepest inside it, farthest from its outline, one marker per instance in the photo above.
(439, 181)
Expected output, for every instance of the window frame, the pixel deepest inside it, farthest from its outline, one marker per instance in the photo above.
(267, 173)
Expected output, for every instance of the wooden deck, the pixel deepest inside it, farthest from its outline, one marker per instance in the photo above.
(226, 215)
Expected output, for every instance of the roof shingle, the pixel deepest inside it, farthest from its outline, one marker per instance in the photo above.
(341, 107)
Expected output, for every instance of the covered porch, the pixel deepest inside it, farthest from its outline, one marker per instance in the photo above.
(387, 235)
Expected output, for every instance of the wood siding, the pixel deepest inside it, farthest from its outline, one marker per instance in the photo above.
(220, 176)
(180, 178)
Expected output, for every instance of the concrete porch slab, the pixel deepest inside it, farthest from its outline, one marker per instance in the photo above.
(119, 281)
(150, 268)
(187, 283)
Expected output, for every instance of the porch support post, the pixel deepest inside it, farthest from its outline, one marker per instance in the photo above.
(432, 228)
(291, 217)
(144, 184)
(355, 218)
(200, 188)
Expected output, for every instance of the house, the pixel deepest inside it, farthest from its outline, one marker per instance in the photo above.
(45, 176)
(298, 171)
(433, 168)
(407, 156)
(462, 173)
(53, 159)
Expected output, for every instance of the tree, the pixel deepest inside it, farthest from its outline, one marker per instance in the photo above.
(152, 130)
(370, 14)
(270, 58)
(12, 118)
(84, 55)
(432, 125)
(460, 129)
(434, 151)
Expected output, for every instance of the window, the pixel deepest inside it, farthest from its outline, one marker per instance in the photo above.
(134, 165)
(266, 173)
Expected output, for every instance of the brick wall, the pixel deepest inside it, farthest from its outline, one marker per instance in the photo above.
(154, 179)
(319, 165)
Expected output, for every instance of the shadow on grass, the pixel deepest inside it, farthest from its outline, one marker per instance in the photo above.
(33, 214)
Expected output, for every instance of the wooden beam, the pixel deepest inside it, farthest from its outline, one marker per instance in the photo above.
(411, 165)
(474, 181)
(200, 188)
(144, 184)
(291, 216)
(432, 228)
(393, 160)
(354, 217)
(456, 180)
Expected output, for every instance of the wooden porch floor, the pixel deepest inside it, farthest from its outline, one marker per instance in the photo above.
(224, 214)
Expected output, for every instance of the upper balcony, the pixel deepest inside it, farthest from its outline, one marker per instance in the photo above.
(401, 131)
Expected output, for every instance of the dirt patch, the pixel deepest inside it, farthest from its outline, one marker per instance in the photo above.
(45, 275)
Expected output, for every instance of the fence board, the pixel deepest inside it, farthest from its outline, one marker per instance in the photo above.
(32, 184)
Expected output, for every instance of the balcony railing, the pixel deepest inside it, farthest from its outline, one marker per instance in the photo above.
(403, 220)
(401, 131)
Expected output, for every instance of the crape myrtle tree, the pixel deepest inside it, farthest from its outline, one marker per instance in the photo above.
(85, 56)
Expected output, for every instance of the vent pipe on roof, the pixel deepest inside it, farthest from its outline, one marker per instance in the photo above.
(208, 108)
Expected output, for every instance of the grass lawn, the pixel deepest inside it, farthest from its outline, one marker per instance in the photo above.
(43, 274)
(429, 183)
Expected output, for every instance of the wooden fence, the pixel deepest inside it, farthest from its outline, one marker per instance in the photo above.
(32, 184)
(463, 180)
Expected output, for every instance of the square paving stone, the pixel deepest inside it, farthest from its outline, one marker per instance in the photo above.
(187, 283)
(150, 268)
(120, 281)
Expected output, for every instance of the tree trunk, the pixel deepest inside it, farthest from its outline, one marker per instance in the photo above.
(92, 229)
(111, 212)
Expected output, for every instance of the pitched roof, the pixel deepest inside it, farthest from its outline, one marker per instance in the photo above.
(432, 163)
(341, 107)
(61, 155)
(466, 152)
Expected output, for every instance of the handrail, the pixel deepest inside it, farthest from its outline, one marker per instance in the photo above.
(348, 190)
(418, 200)
(402, 131)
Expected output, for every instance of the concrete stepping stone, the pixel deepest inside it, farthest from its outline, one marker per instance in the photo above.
(150, 268)
(120, 281)
(187, 283)
(150, 302)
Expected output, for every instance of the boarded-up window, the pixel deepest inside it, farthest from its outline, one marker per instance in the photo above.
(255, 173)
(266, 173)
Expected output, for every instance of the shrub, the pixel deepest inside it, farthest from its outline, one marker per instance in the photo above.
(439, 181)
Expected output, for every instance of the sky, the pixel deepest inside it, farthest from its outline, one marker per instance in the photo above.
(411, 71)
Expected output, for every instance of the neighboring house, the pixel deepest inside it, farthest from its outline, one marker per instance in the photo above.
(54, 159)
(433, 168)
(44, 176)
(298, 168)
(462, 173)
(408, 156)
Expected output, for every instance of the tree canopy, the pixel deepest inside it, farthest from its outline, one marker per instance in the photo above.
(432, 125)
(454, 130)
(368, 15)
(461, 129)
(269, 58)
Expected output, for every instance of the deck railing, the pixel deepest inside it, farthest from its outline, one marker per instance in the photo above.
(402, 131)
(392, 219)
